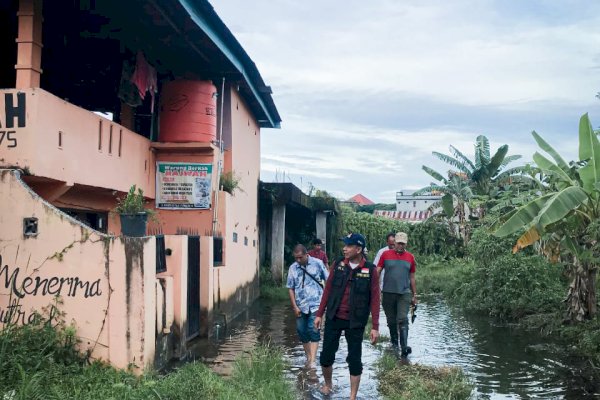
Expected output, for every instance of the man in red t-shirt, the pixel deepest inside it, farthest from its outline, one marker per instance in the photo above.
(317, 252)
(399, 290)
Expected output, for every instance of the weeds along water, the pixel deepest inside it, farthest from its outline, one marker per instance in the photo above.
(41, 361)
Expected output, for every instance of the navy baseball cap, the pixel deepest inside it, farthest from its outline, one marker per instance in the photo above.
(355, 239)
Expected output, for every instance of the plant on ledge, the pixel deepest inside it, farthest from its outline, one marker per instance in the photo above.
(229, 182)
(133, 214)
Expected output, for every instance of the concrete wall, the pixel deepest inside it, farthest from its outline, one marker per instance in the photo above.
(106, 285)
(58, 140)
(236, 282)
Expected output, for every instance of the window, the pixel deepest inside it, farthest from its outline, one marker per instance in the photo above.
(234, 237)
(414, 203)
(245, 240)
(217, 251)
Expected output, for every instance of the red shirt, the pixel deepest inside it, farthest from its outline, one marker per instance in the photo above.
(320, 254)
(344, 308)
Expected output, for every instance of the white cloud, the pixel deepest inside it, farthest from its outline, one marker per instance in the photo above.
(367, 90)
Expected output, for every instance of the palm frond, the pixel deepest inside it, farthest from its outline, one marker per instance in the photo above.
(496, 161)
(460, 156)
(453, 162)
(482, 151)
(433, 173)
(509, 159)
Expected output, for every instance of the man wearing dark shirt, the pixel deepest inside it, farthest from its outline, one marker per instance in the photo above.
(317, 252)
(351, 293)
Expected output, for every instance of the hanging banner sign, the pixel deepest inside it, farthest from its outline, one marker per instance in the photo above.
(183, 186)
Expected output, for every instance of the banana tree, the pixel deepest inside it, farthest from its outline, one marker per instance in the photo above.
(485, 173)
(456, 195)
(564, 216)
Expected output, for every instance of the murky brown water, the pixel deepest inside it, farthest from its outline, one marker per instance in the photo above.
(503, 362)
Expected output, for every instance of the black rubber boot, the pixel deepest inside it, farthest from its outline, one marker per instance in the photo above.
(394, 335)
(406, 350)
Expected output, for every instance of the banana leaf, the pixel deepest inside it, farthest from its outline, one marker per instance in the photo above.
(549, 167)
(561, 203)
(523, 217)
(589, 149)
(550, 150)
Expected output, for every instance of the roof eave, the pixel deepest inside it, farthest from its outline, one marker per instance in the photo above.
(208, 21)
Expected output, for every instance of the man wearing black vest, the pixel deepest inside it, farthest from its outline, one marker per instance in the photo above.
(351, 293)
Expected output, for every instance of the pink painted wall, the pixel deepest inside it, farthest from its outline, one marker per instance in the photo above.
(86, 154)
(112, 306)
(241, 268)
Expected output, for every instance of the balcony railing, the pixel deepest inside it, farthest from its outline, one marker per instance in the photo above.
(52, 138)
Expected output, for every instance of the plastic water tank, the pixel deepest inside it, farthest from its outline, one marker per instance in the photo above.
(188, 111)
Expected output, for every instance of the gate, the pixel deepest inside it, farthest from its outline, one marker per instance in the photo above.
(193, 287)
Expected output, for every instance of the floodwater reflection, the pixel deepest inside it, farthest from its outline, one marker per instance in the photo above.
(503, 362)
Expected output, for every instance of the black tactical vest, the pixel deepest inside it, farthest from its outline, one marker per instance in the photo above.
(360, 292)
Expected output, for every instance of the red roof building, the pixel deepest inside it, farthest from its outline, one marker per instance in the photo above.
(360, 200)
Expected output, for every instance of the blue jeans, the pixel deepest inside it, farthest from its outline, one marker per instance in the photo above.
(305, 326)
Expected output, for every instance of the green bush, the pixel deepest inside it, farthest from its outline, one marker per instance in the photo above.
(41, 361)
(435, 238)
(438, 275)
(428, 238)
(510, 286)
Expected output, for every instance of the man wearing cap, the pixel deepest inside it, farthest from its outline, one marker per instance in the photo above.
(399, 290)
(351, 293)
(317, 252)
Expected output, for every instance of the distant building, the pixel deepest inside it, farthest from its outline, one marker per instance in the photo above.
(407, 201)
(360, 200)
(410, 208)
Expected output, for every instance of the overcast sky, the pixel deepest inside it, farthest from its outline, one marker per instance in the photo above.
(368, 89)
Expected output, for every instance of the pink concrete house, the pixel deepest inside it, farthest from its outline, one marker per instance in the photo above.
(96, 96)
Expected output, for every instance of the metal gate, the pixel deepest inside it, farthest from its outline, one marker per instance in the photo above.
(193, 287)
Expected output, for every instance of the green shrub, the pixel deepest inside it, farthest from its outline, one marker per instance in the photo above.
(427, 238)
(435, 238)
(510, 286)
(229, 182)
(437, 275)
(40, 361)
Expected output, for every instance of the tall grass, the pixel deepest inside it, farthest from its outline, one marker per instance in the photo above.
(41, 361)
(271, 290)
(418, 382)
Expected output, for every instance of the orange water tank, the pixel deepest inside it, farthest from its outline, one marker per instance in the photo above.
(188, 112)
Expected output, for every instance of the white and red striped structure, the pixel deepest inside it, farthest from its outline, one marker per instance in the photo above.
(408, 216)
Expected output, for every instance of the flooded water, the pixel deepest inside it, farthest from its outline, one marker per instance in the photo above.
(503, 362)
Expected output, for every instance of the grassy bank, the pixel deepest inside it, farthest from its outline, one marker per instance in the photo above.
(271, 290)
(521, 288)
(274, 293)
(438, 276)
(418, 382)
(41, 361)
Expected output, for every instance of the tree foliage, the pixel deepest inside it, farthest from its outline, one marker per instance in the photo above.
(562, 216)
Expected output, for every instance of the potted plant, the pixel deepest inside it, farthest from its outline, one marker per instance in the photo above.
(133, 214)
(229, 182)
